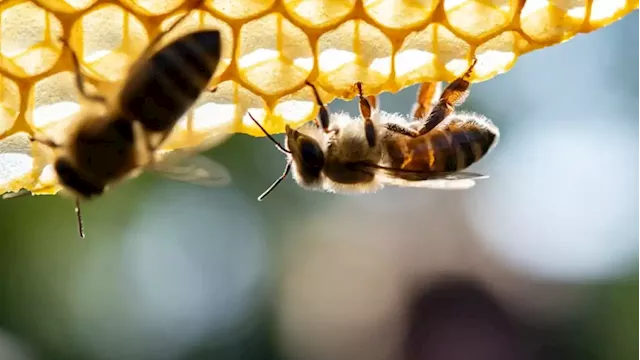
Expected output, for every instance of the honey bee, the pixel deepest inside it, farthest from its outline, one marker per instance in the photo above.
(341, 154)
(115, 135)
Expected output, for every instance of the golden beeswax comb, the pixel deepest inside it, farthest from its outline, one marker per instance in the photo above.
(270, 48)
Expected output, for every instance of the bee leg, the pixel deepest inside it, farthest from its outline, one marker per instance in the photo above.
(324, 113)
(80, 77)
(373, 100)
(48, 142)
(397, 128)
(453, 95)
(427, 95)
(365, 112)
(79, 218)
(151, 149)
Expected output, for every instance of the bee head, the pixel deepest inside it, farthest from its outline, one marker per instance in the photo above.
(307, 155)
(303, 153)
(72, 179)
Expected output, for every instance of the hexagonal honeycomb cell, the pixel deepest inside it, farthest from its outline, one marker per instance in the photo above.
(273, 45)
(270, 47)
(400, 14)
(26, 46)
(354, 51)
(319, 13)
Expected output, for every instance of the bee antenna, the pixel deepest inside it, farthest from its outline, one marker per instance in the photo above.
(278, 145)
(79, 217)
(287, 168)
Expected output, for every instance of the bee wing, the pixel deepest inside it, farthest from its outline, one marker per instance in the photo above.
(13, 195)
(457, 181)
(454, 181)
(194, 169)
(190, 166)
(462, 184)
(400, 177)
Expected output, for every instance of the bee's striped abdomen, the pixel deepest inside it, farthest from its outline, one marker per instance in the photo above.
(163, 89)
(444, 151)
(456, 148)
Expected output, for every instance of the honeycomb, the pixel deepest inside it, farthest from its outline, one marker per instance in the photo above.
(270, 48)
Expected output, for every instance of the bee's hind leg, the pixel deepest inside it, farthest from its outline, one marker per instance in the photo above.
(366, 105)
(427, 95)
(453, 95)
(400, 129)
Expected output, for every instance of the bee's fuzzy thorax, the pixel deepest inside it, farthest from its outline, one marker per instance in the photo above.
(344, 144)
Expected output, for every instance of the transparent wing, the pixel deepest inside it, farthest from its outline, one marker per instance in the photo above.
(193, 169)
(449, 184)
(190, 166)
(461, 184)
(406, 178)
(13, 195)
(454, 181)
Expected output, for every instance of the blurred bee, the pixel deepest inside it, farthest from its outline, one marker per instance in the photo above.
(342, 154)
(115, 135)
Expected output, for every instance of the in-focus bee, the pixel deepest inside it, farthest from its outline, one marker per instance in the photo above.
(338, 153)
(115, 135)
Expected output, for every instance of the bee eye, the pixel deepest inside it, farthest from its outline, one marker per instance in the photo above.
(311, 153)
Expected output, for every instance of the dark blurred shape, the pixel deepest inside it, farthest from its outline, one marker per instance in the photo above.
(458, 318)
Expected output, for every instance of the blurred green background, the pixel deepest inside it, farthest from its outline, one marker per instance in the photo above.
(537, 262)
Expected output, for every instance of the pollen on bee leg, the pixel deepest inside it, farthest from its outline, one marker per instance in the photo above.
(427, 95)
(453, 95)
(474, 61)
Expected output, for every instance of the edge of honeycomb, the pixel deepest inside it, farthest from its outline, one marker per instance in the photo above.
(270, 48)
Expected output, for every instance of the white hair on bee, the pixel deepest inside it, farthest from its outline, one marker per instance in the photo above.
(350, 189)
(430, 148)
(393, 118)
(479, 120)
(345, 142)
